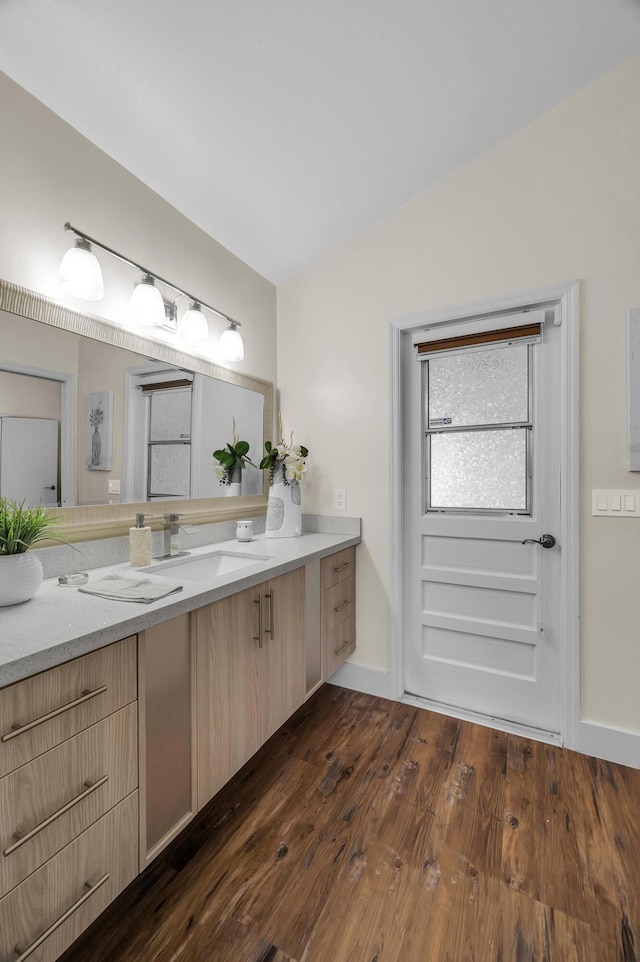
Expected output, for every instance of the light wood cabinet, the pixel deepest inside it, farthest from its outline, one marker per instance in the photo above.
(250, 674)
(58, 901)
(282, 665)
(40, 712)
(47, 803)
(338, 609)
(166, 699)
(68, 799)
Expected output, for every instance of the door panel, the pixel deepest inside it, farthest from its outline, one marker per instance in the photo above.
(481, 608)
(29, 460)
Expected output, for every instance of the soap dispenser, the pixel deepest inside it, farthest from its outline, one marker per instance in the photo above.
(140, 543)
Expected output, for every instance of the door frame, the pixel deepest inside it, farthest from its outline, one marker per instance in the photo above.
(566, 297)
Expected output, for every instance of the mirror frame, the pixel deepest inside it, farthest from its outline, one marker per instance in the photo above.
(90, 522)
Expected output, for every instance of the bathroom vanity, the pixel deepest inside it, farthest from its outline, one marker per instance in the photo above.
(119, 722)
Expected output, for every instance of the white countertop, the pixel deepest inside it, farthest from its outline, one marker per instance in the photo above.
(61, 623)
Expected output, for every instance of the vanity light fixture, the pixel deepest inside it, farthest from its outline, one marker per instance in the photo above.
(148, 306)
(193, 328)
(230, 345)
(80, 273)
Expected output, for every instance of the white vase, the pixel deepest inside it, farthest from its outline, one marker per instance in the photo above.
(20, 577)
(284, 507)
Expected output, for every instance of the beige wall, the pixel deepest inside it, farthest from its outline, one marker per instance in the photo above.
(29, 397)
(559, 200)
(50, 174)
(101, 367)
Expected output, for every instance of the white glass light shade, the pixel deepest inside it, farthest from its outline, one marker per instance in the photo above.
(194, 329)
(230, 345)
(80, 273)
(147, 306)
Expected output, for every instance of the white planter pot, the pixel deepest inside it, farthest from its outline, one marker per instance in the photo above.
(284, 508)
(20, 577)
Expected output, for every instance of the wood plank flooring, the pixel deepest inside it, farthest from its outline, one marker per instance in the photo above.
(371, 831)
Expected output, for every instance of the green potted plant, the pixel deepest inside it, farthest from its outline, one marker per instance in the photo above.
(232, 461)
(20, 529)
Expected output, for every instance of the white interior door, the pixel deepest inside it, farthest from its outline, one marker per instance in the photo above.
(482, 443)
(29, 460)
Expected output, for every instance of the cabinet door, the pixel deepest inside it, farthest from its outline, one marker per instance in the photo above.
(283, 668)
(167, 782)
(228, 688)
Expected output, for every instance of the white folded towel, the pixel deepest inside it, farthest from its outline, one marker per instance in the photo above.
(144, 588)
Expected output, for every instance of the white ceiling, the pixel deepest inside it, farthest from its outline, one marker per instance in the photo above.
(285, 127)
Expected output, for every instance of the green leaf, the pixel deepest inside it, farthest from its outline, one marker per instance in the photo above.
(303, 451)
(267, 446)
(242, 448)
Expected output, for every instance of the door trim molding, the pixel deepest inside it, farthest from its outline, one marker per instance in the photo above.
(566, 296)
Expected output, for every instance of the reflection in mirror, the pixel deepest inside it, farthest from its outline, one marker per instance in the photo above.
(84, 422)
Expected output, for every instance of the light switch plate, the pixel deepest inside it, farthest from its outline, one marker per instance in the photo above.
(614, 503)
(114, 486)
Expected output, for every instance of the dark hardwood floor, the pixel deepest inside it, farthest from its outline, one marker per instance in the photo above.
(370, 831)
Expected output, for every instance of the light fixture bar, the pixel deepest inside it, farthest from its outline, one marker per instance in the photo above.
(145, 270)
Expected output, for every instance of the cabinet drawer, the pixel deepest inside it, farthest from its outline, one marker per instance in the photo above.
(54, 798)
(339, 644)
(40, 712)
(69, 891)
(337, 604)
(338, 566)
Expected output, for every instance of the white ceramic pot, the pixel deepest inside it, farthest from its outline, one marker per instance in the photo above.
(20, 577)
(234, 488)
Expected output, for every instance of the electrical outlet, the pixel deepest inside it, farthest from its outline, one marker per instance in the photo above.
(339, 499)
(114, 486)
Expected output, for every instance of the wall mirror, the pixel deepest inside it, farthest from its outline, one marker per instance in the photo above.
(100, 421)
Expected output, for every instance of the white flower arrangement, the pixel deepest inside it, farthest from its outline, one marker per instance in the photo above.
(291, 457)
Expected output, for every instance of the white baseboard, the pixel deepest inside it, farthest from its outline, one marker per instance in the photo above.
(372, 681)
(613, 744)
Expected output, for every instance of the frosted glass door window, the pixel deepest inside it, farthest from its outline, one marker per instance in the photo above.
(479, 469)
(479, 387)
(169, 463)
(170, 471)
(170, 415)
(478, 430)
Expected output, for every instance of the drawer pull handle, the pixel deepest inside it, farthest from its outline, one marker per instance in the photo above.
(347, 564)
(271, 630)
(25, 953)
(22, 837)
(21, 729)
(343, 605)
(338, 651)
(258, 602)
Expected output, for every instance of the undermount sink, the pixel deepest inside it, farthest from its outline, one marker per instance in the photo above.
(204, 567)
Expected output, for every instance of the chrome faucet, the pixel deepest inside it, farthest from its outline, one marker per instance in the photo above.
(171, 536)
